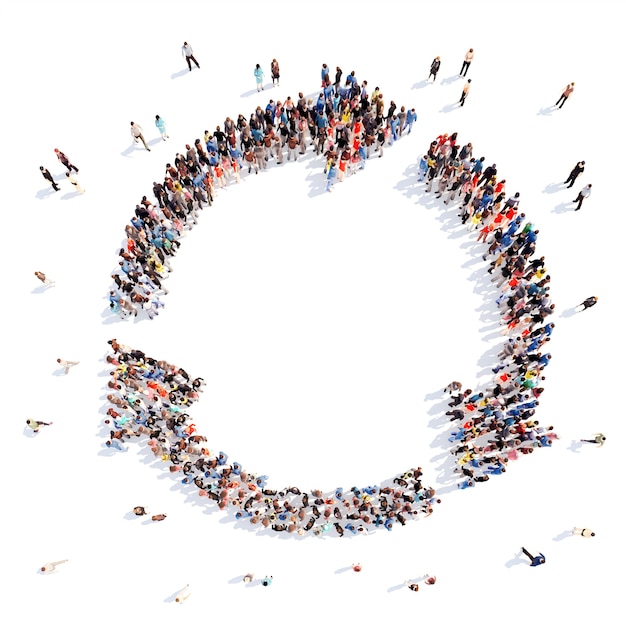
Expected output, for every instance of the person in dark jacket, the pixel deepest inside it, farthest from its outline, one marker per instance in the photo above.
(48, 176)
(575, 173)
(434, 68)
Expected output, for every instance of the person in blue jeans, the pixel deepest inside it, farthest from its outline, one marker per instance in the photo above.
(534, 560)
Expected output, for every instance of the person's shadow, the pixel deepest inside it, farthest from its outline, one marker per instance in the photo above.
(421, 84)
(546, 110)
(450, 79)
(575, 446)
(180, 73)
(564, 207)
(42, 194)
(516, 560)
(563, 535)
(569, 312)
(554, 187)
(248, 93)
(449, 107)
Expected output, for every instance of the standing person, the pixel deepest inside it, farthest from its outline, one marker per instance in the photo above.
(183, 594)
(575, 173)
(587, 304)
(48, 568)
(188, 54)
(357, 567)
(567, 92)
(160, 124)
(74, 182)
(67, 364)
(411, 585)
(434, 68)
(48, 176)
(136, 132)
(469, 57)
(44, 279)
(331, 175)
(583, 532)
(65, 161)
(466, 89)
(258, 75)
(267, 581)
(430, 580)
(598, 438)
(534, 560)
(411, 118)
(36, 425)
(275, 69)
(248, 578)
(585, 192)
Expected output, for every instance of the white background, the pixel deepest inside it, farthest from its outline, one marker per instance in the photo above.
(326, 325)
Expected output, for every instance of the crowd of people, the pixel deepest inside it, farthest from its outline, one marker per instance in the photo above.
(497, 425)
(149, 400)
(345, 124)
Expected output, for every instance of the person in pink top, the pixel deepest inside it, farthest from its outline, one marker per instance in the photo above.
(567, 92)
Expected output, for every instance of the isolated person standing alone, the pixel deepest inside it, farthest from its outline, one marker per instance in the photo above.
(188, 54)
(160, 124)
(567, 92)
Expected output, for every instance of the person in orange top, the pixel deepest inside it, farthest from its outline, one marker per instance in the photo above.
(567, 92)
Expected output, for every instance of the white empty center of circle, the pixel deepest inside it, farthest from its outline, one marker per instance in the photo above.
(320, 323)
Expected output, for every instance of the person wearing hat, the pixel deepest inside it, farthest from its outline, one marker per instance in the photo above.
(466, 89)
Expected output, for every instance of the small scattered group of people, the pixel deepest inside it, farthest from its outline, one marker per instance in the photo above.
(345, 124)
(149, 400)
(497, 424)
(45, 172)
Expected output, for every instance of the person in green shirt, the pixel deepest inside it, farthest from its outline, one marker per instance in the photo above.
(599, 438)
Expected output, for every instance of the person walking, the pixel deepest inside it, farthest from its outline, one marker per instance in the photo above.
(258, 75)
(44, 279)
(587, 304)
(430, 580)
(48, 568)
(411, 585)
(275, 69)
(36, 425)
(65, 161)
(330, 175)
(160, 124)
(598, 438)
(434, 68)
(567, 92)
(585, 192)
(74, 182)
(48, 176)
(583, 532)
(67, 364)
(267, 581)
(357, 567)
(248, 578)
(575, 173)
(188, 54)
(466, 89)
(136, 132)
(182, 595)
(534, 560)
(469, 57)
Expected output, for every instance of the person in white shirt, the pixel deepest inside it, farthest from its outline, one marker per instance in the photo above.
(469, 57)
(136, 132)
(188, 54)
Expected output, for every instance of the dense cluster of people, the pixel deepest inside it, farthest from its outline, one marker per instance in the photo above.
(149, 400)
(345, 123)
(497, 425)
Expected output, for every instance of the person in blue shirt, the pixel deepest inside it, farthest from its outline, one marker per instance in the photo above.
(160, 124)
(411, 117)
(258, 75)
(331, 174)
(534, 560)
